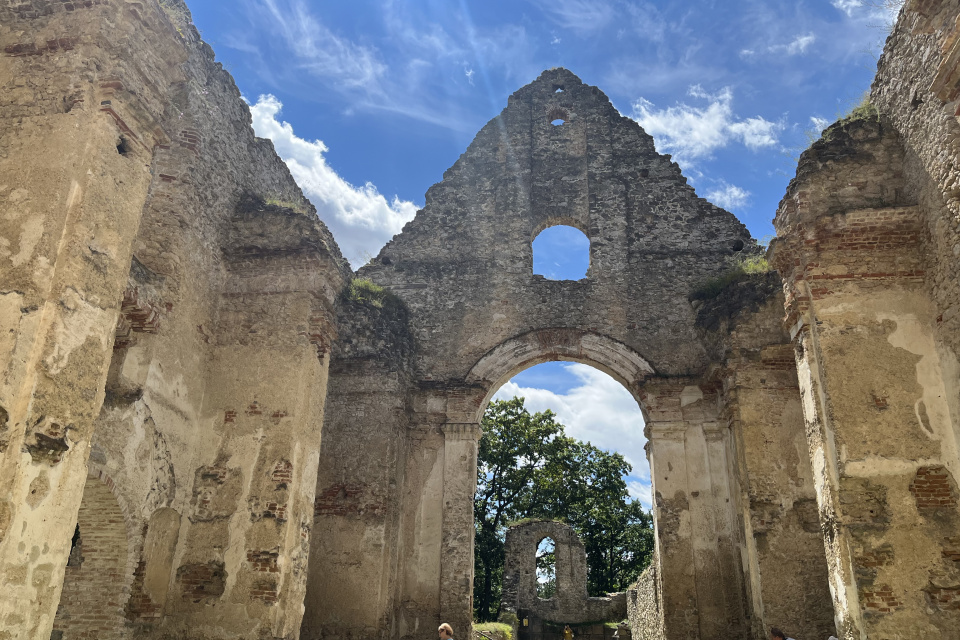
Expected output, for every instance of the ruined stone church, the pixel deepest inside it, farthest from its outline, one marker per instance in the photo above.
(210, 428)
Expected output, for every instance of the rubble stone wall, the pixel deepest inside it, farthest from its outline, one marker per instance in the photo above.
(877, 372)
(570, 603)
(644, 609)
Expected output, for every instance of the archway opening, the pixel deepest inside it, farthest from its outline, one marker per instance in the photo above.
(94, 584)
(546, 561)
(561, 252)
(562, 441)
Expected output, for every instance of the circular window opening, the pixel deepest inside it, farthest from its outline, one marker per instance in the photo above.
(561, 253)
(558, 117)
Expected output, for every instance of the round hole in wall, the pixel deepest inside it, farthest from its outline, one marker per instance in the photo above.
(738, 245)
(558, 116)
(561, 252)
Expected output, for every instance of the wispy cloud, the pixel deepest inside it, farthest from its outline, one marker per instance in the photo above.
(692, 132)
(885, 10)
(424, 65)
(580, 16)
(797, 46)
(728, 196)
(318, 49)
(362, 220)
(598, 409)
(847, 6)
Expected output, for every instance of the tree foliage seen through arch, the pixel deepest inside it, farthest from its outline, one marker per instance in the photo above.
(529, 468)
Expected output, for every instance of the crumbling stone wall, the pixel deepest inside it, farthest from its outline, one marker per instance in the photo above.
(166, 323)
(861, 297)
(477, 315)
(570, 603)
(644, 609)
(781, 546)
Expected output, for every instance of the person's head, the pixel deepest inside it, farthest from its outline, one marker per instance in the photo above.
(445, 631)
(566, 627)
(776, 634)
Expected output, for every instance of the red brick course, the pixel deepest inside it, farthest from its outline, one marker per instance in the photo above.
(879, 598)
(263, 560)
(202, 582)
(933, 488)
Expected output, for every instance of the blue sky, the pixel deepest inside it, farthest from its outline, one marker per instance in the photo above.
(369, 101)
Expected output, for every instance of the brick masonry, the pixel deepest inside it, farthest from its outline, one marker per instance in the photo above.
(95, 591)
(933, 488)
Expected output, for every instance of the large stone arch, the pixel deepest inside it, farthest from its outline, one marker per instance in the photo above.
(512, 356)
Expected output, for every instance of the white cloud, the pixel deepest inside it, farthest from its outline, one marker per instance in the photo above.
(847, 6)
(642, 491)
(819, 123)
(728, 196)
(798, 45)
(691, 132)
(885, 10)
(361, 219)
(598, 410)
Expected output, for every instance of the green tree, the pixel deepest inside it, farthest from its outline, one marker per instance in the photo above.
(528, 468)
(513, 451)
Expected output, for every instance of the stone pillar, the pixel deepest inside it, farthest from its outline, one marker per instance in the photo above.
(697, 541)
(70, 206)
(876, 397)
(456, 552)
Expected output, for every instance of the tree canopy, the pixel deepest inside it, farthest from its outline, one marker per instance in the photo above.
(527, 467)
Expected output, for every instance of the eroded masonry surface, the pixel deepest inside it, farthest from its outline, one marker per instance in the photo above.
(206, 433)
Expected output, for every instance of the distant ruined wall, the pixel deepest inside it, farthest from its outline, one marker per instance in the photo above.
(570, 603)
(782, 547)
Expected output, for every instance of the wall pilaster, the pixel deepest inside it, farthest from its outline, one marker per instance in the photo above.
(456, 553)
(697, 540)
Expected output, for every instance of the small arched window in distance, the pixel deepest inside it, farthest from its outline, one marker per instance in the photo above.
(546, 569)
(561, 253)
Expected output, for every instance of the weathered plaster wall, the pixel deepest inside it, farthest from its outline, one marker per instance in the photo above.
(370, 445)
(879, 427)
(126, 155)
(691, 454)
(782, 547)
